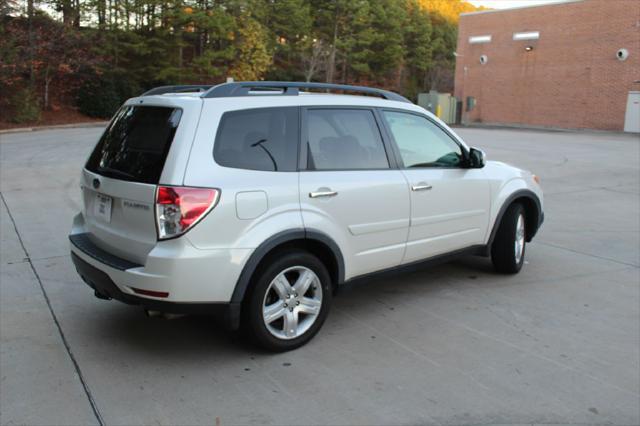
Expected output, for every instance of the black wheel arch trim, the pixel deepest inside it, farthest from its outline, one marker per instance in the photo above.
(274, 241)
(522, 193)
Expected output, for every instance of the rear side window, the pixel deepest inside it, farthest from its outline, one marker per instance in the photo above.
(258, 139)
(135, 145)
(344, 139)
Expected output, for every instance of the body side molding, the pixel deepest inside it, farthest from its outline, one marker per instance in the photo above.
(475, 250)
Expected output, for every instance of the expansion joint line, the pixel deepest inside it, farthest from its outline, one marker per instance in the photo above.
(65, 342)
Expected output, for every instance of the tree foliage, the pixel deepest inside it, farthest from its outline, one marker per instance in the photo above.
(447, 9)
(83, 49)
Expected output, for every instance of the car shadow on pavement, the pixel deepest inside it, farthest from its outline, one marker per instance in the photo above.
(129, 329)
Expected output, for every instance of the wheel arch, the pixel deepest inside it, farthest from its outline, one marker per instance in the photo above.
(533, 213)
(316, 242)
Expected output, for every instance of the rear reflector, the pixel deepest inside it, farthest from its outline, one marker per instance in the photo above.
(151, 293)
(178, 208)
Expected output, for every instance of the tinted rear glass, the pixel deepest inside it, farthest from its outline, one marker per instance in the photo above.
(135, 145)
(258, 139)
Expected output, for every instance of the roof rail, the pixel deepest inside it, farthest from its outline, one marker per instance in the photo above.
(290, 88)
(178, 89)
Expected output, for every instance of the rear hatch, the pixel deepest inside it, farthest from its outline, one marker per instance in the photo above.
(140, 148)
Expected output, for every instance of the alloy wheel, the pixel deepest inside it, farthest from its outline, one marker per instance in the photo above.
(292, 302)
(519, 240)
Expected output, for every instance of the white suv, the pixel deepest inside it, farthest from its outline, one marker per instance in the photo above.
(256, 200)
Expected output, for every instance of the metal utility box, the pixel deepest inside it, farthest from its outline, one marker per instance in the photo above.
(443, 105)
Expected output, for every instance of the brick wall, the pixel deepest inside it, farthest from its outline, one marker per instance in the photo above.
(571, 78)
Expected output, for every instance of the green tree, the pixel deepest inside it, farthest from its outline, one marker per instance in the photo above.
(418, 50)
(210, 45)
(388, 51)
(288, 24)
(121, 47)
(449, 10)
(252, 57)
(356, 45)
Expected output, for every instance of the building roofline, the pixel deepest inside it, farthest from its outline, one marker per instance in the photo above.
(531, 6)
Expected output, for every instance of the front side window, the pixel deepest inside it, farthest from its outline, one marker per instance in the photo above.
(344, 139)
(421, 142)
(258, 139)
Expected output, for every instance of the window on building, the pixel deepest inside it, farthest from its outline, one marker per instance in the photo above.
(480, 39)
(527, 35)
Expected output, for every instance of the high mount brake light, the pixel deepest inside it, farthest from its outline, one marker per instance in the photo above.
(178, 208)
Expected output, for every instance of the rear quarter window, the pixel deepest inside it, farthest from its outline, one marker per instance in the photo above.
(135, 145)
(258, 139)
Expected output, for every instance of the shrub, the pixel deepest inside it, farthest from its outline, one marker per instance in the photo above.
(101, 95)
(97, 97)
(26, 107)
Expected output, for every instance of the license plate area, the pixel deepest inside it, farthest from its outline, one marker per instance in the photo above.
(102, 207)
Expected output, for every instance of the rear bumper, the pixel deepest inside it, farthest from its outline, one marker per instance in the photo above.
(194, 281)
(173, 268)
(105, 288)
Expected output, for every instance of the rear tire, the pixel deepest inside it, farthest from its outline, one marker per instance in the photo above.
(289, 301)
(508, 248)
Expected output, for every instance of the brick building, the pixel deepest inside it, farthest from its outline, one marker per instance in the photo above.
(557, 65)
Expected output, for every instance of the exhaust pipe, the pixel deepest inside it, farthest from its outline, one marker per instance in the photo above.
(168, 316)
(152, 314)
(164, 315)
(101, 296)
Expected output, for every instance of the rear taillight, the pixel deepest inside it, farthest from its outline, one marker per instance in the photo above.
(178, 208)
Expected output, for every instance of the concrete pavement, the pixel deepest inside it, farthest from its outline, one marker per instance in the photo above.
(455, 344)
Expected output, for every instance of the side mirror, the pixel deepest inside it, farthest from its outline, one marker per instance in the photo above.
(477, 158)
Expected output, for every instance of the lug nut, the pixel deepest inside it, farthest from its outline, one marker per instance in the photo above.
(285, 305)
(297, 303)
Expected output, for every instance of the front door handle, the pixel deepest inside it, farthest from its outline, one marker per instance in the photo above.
(319, 194)
(421, 187)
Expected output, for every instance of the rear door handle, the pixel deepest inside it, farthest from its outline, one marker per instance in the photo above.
(319, 194)
(421, 187)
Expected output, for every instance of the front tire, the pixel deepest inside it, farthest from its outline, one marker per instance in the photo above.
(289, 301)
(508, 248)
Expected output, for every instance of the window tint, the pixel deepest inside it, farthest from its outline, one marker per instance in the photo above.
(342, 139)
(421, 142)
(258, 139)
(135, 145)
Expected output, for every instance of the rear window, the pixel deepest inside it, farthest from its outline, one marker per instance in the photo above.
(258, 139)
(135, 145)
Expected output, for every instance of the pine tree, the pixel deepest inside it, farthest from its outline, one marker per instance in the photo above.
(418, 49)
(252, 57)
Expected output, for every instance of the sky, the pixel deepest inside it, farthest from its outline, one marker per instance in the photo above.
(502, 4)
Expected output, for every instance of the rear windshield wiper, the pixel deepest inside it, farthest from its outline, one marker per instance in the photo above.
(116, 172)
